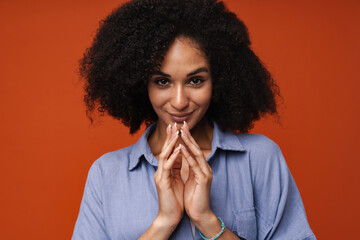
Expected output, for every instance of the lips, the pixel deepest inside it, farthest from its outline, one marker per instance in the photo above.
(180, 117)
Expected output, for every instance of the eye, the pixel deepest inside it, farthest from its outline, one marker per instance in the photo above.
(196, 81)
(162, 81)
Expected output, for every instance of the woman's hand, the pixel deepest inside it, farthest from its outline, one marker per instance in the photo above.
(198, 185)
(174, 196)
(169, 185)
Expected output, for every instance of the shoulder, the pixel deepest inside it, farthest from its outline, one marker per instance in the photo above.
(265, 156)
(112, 162)
(125, 159)
(258, 144)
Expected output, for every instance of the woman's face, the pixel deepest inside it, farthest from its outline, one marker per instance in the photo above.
(181, 89)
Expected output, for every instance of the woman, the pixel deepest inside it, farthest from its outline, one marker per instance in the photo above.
(186, 69)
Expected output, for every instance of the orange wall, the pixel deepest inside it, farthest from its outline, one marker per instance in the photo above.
(47, 144)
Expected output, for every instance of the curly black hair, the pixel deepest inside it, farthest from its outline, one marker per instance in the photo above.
(132, 41)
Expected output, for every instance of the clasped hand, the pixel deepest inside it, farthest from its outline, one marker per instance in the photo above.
(175, 196)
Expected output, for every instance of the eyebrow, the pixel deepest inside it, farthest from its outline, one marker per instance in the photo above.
(160, 73)
(199, 70)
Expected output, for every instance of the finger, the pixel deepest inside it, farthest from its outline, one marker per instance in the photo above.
(168, 149)
(174, 128)
(187, 132)
(168, 134)
(192, 162)
(167, 141)
(192, 176)
(194, 148)
(169, 146)
(170, 162)
(196, 151)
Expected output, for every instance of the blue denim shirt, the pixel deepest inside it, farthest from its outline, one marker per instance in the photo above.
(252, 191)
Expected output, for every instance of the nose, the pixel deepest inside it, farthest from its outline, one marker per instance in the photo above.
(179, 99)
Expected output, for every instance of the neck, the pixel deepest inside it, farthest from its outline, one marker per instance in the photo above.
(202, 132)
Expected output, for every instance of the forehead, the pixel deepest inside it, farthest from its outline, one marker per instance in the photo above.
(184, 54)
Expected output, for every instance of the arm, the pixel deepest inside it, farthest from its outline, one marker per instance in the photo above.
(210, 227)
(280, 212)
(159, 229)
(197, 190)
(170, 190)
(90, 222)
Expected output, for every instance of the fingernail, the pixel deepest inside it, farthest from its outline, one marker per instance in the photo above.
(175, 135)
(177, 132)
(179, 146)
(183, 133)
(175, 124)
(169, 125)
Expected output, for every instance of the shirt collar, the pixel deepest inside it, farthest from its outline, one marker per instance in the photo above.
(225, 140)
(221, 140)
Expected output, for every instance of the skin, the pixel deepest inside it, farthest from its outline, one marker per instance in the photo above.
(175, 90)
(181, 90)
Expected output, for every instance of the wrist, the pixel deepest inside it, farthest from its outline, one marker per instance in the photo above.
(159, 229)
(164, 224)
(209, 225)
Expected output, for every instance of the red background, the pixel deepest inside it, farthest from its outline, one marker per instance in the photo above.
(47, 144)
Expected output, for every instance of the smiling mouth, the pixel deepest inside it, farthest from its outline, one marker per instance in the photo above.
(180, 117)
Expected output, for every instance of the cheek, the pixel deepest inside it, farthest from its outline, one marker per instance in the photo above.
(157, 98)
(204, 97)
(152, 96)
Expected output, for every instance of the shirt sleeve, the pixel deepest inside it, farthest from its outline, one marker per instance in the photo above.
(90, 222)
(279, 209)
